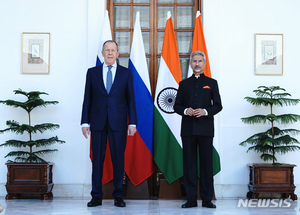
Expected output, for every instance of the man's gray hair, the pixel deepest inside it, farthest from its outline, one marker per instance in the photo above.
(110, 41)
(197, 53)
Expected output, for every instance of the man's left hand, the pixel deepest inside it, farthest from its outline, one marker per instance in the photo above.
(131, 130)
(199, 112)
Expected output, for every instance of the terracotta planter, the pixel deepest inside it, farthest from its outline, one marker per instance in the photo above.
(29, 178)
(268, 178)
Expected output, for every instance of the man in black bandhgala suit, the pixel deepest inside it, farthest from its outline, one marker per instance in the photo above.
(197, 101)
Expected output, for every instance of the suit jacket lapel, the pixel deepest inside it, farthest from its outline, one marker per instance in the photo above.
(100, 79)
(116, 79)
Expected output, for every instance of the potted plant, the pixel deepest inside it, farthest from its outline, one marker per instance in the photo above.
(274, 177)
(29, 173)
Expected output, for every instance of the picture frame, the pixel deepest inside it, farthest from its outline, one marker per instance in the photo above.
(35, 56)
(268, 54)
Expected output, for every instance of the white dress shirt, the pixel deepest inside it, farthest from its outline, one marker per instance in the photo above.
(105, 70)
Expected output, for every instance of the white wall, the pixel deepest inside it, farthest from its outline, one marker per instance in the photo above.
(229, 27)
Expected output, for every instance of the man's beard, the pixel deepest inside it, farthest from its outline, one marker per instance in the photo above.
(198, 69)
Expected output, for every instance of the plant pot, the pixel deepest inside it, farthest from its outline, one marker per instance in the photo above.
(29, 178)
(269, 178)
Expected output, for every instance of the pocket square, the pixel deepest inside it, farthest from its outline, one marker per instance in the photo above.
(206, 87)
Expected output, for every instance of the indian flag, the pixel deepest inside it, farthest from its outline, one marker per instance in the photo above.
(200, 45)
(167, 140)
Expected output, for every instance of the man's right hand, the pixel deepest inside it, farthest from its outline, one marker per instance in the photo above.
(190, 111)
(85, 131)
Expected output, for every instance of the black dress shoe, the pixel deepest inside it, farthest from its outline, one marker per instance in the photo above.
(189, 205)
(208, 205)
(119, 202)
(95, 202)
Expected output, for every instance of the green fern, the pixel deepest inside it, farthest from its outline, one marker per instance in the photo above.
(274, 140)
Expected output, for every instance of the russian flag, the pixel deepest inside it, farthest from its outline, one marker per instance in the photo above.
(105, 35)
(139, 148)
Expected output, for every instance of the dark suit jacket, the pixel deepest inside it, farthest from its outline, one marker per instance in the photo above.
(198, 93)
(99, 106)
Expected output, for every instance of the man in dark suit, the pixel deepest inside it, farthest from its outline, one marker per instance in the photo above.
(198, 100)
(108, 98)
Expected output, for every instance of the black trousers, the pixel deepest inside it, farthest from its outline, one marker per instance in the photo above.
(190, 167)
(117, 144)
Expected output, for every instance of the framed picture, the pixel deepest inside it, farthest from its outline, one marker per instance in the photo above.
(268, 54)
(35, 53)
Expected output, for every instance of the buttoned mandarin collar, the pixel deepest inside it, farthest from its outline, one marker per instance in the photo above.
(199, 76)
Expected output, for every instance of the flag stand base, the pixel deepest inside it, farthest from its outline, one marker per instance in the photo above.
(140, 191)
(169, 191)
